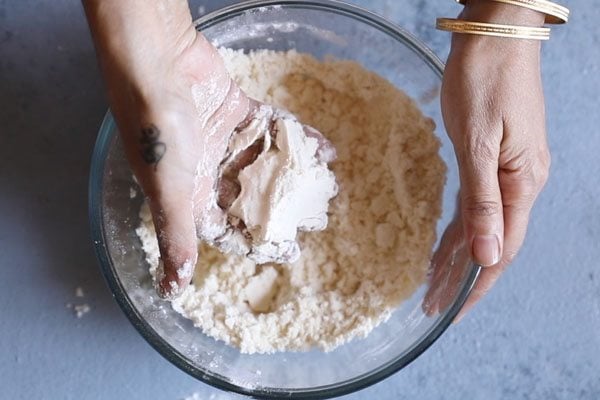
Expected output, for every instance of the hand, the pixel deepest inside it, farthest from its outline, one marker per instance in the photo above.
(176, 108)
(493, 109)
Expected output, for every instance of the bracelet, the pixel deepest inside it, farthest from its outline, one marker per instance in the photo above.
(488, 29)
(555, 13)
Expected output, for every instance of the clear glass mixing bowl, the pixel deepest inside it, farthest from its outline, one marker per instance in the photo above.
(321, 28)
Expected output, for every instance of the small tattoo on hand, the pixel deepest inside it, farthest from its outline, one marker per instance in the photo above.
(152, 148)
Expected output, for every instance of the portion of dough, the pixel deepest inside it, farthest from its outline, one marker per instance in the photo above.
(285, 188)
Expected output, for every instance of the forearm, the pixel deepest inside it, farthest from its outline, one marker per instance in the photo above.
(116, 24)
(129, 34)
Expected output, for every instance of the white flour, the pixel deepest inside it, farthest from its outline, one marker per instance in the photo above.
(286, 189)
(376, 249)
(79, 309)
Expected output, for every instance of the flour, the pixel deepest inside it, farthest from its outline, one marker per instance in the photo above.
(285, 189)
(212, 396)
(376, 249)
(79, 309)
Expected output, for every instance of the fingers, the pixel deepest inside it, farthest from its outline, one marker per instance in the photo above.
(176, 233)
(166, 174)
(517, 205)
(520, 188)
(441, 263)
(515, 228)
(486, 279)
(211, 221)
(451, 263)
(481, 199)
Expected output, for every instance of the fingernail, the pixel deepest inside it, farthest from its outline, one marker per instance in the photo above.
(486, 250)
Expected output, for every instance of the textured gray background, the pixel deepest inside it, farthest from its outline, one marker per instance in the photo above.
(535, 337)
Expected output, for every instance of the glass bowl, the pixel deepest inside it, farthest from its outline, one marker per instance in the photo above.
(321, 28)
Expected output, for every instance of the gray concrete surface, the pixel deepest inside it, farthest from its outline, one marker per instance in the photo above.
(536, 336)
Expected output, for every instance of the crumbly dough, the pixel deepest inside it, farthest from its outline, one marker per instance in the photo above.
(286, 188)
(376, 249)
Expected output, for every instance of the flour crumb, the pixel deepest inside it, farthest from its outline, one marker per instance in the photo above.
(376, 249)
(213, 396)
(132, 193)
(186, 271)
(81, 309)
(195, 396)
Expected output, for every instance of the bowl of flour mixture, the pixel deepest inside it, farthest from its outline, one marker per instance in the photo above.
(348, 309)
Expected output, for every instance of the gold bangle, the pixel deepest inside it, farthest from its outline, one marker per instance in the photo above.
(484, 28)
(555, 13)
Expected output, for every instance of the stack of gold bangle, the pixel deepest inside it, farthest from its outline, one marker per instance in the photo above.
(555, 14)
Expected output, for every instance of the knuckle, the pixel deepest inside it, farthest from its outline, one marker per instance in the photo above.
(536, 173)
(521, 206)
(541, 177)
(545, 157)
(479, 148)
(530, 173)
(478, 134)
(480, 207)
(543, 169)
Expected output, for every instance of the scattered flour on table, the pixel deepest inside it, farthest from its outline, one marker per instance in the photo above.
(213, 396)
(82, 308)
(198, 396)
(376, 248)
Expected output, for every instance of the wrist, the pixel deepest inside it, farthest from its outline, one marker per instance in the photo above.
(480, 47)
(135, 36)
(500, 13)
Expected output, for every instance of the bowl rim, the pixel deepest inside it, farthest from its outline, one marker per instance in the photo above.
(98, 232)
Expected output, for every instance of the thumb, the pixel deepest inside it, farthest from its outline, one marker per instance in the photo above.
(176, 233)
(481, 206)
